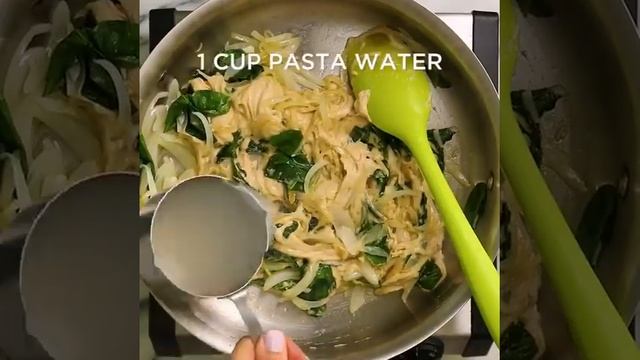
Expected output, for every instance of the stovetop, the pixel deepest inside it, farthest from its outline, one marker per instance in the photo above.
(466, 333)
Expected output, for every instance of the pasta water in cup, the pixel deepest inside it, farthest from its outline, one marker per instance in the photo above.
(209, 236)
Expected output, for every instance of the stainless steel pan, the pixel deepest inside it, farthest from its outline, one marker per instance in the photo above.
(592, 50)
(384, 327)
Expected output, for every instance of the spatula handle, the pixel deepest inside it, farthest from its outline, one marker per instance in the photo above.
(595, 324)
(482, 276)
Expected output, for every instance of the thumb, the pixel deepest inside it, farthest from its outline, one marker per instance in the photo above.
(272, 346)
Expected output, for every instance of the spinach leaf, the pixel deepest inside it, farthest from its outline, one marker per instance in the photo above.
(288, 142)
(313, 223)
(505, 232)
(144, 155)
(178, 107)
(285, 285)
(374, 235)
(229, 150)
(321, 286)
(438, 79)
(370, 218)
(209, 102)
(377, 252)
(290, 229)
(360, 133)
(98, 87)
(257, 147)
(476, 203)
(531, 130)
(114, 41)
(430, 276)
(517, 343)
(544, 100)
(247, 73)
(438, 138)
(275, 256)
(195, 127)
(595, 229)
(376, 138)
(537, 8)
(290, 170)
(381, 180)
(274, 260)
(70, 51)
(422, 211)
(118, 42)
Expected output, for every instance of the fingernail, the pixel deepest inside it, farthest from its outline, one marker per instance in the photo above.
(274, 341)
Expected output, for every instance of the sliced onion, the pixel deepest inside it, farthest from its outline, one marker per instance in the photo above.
(77, 137)
(345, 230)
(85, 170)
(352, 275)
(15, 75)
(75, 78)
(124, 106)
(311, 173)
(23, 197)
(187, 174)
(304, 283)
(357, 299)
(53, 184)
(177, 150)
(60, 23)
(56, 105)
(280, 276)
(38, 60)
(158, 116)
(181, 124)
(147, 120)
(207, 128)
(369, 273)
(174, 91)
(147, 175)
(48, 163)
(152, 146)
(348, 237)
(165, 171)
(307, 305)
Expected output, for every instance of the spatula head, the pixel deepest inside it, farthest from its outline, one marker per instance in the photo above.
(399, 97)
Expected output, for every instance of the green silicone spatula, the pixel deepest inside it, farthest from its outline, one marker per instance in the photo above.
(399, 104)
(595, 325)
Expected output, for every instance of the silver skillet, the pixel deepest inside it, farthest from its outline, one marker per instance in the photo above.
(383, 327)
(592, 50)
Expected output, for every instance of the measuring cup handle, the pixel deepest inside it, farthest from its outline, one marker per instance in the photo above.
(247, 314)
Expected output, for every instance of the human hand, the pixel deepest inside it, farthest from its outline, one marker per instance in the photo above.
(273, 345)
